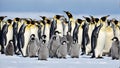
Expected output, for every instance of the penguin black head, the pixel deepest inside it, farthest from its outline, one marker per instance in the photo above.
(28, 22)
(32, 37)
(56, 32)
(64, 42)
(104, 18)
(17, 19)
(2, 17)
(48, 21)
(11, 41)
(115, 39)
(96, 20)
(32, 22)
(44, 36)
(9, 21)
(44, 41)
(87, 19)
(79, 21)
(58, 16)
(43, 17)
(68, 14)
(116, 22)
(108, 22)
(54, 38)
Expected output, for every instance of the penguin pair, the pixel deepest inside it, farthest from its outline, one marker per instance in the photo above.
(101, 38)
(62, 49)
(54, 44)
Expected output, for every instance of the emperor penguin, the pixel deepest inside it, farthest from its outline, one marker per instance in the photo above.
(15, 33)
(4, 37)
(27, 34)
(90, 30)
(9, 34)
(32, 47)
(59, 24)
(94, 36)
(115, 49)
(80, 30)
(101, 37)
(54, 44)
(46, 29)
(9, 49)
(85, 36)
(74, 49)
(62, 50)
(1, 25)
(43, 52)
(109, 36)
(23, 37)
(71, 24)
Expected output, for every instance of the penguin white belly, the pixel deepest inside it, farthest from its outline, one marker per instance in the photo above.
(100, 43)
(66, 30)
(88, 47)
(34, 30)
(9, 34)
(108, 41)
(80, 37)
(47, 32)
(117, 32)
(26, 40)
(60, 28)
(73, 26)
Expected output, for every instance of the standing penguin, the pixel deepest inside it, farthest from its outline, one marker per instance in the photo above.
(115, 49)
(74, 50)
(23, 36)
(15, 33)
(85, 37)
(10, 48)
(71, 24)
(43, 51)
(101, 38)
(94, 36)
(90, 30)
(1, 25)
(32, 47)
(109, 36)
(62, 50)
(26, 38)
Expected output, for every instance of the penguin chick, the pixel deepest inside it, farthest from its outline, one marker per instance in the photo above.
(74, 50)
(62, 50)
(43, 52)
(10, 48)
(32, 46)
(115, 48)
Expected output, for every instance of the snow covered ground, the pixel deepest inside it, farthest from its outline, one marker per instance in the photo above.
(81, 62)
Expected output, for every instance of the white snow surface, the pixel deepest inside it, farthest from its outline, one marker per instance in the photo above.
(81, 62)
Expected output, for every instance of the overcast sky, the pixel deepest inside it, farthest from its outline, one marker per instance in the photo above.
(57, 6)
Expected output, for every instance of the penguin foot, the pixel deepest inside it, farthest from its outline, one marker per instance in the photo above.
(92, 57)
(82, 53)
(99, 57)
